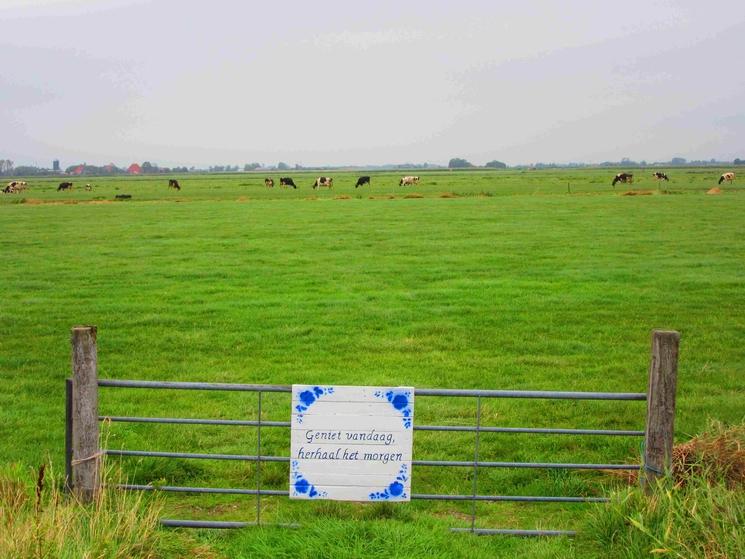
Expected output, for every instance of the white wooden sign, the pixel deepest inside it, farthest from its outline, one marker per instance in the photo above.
(351, 443)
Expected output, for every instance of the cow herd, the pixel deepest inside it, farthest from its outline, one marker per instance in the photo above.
(628, 178)
(328, 182)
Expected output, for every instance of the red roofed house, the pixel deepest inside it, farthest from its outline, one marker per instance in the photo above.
(77, 170)
(134, 169)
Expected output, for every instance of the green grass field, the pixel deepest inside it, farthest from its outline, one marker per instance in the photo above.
(545, 280)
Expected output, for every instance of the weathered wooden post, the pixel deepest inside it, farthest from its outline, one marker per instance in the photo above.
(663, 376)
(85, 451)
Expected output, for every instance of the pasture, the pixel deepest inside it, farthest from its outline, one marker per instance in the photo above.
(542, 280)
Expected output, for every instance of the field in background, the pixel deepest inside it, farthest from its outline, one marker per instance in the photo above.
(482, 279)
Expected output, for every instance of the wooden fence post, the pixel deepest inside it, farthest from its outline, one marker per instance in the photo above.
(663, 376)
(85, 451)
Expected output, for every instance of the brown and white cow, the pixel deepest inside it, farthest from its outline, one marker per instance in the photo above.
(660, 176)
(328, 182)
(623, 177)
(408, 180)
(269, 183)
(729, 177)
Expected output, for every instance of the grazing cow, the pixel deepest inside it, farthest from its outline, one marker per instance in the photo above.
(10, 188)
(173, 183)
(406, 181)
(623, 177)
(660, 176)
(269, 183)
(362, 181)
(123, 196)
(89, 187)
(287, 181)
(328, 182)
(64, 186)
(729, 177)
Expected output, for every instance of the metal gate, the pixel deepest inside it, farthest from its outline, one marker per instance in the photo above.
(655, 457)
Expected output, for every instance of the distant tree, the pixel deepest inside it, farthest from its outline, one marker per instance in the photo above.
(148, 167)
(678, 161)
(458, 163)
(739, 161)
(496, 165)
(251, 166)
(282, 166)
(6, 166)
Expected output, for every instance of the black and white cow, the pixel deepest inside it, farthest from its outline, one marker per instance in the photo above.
(173, 183)
(623, 177)
(64, 186)
(269, 183)
(328, 182)
(729, 177)
(287, 181)
(408, 180)
(660, 176)
(362, 181)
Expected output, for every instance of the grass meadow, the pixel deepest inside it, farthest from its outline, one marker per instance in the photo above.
(541, 280)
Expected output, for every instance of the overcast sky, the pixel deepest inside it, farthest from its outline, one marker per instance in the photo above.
(354, 82)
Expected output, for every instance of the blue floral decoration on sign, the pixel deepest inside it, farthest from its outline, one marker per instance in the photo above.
(395, 489)
(308, 398)
(401, 401)
(300, 485)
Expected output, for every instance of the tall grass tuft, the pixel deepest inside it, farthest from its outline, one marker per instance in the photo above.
(696, 512)
(37, 520)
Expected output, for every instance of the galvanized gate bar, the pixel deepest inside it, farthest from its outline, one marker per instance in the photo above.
(194, 385)
(455, 463)
(415, 496)
(218, 524)
(549, 394)
(195, 421)
(449, 428)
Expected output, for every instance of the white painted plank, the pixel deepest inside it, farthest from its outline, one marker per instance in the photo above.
(356, 467)
(349, 408)
(373, 437)
(346, 493)
(318, 422)
(348, 393)
(331, 454)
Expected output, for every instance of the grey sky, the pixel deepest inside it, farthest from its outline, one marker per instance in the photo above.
(347, 82)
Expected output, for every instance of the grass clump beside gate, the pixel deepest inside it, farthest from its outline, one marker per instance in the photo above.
(38, 520)
(698, 511)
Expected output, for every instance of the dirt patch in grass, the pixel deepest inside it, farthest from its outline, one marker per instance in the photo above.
(449, 195)
(414, 195)
(638, 193)
(243, 199)
(388, 197)
(342, 197)
(715, 190)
